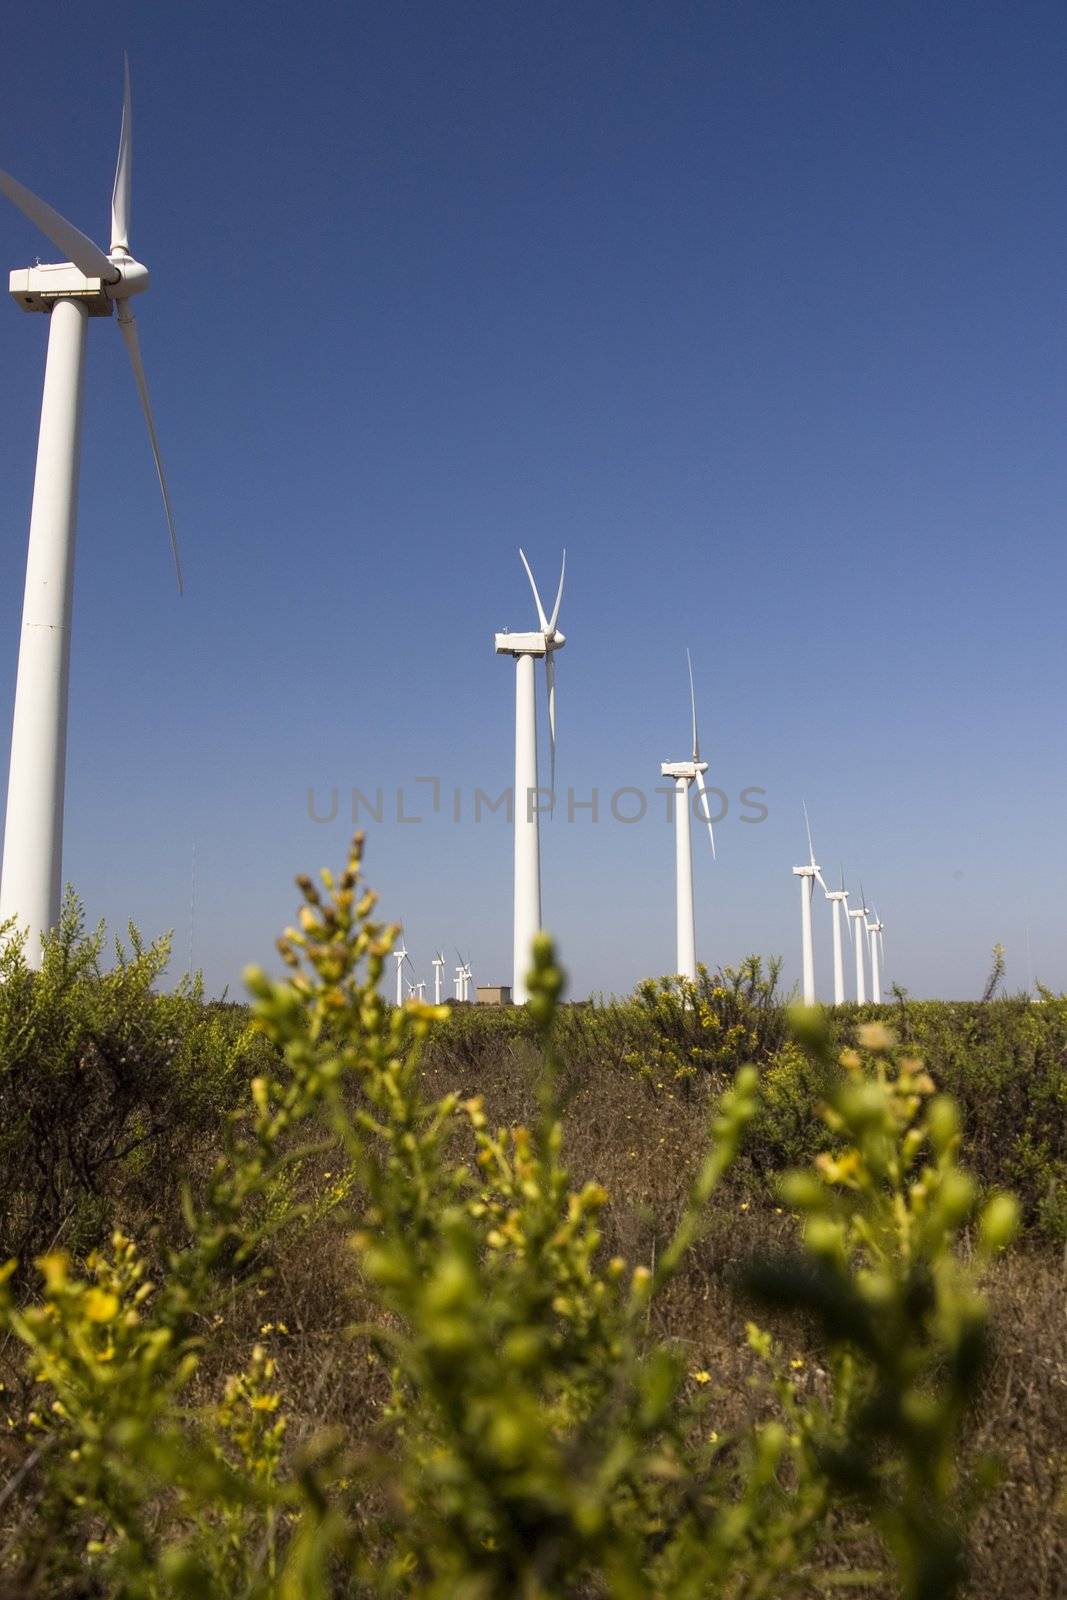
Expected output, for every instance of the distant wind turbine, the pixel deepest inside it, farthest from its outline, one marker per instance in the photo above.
(400, 956)
(838, 899)
(88, 284)
(874, 934)
(685, 773)
(465, 975)
(808, 876)
(858, 914)
(526, 647)
(438, 964)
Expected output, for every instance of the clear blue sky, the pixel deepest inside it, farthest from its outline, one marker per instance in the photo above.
(761, 309)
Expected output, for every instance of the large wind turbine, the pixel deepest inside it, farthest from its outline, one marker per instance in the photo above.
(860, 912)
(89, 284)
(838, 899)
(808, 876)
(526, 647)
(684, 773)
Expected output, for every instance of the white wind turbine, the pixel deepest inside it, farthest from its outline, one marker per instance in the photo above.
(874, 934)
(89, 284)
(526, 647)
(861, 936)
(400, 956)
(808, 876)
(438, 964)
(684, 773)
(464, 973)
(838, 899)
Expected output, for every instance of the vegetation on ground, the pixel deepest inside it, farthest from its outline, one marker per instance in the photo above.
(331, 1298)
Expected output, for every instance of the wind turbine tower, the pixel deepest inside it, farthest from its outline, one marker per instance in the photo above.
(838, 899)
(527, 648)
(438, 964)
(874, 934)
(400, 956)
(685, 773)
(809, 875)
(857, 914)
(87, 284)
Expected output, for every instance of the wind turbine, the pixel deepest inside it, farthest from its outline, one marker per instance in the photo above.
(808, 876)
(838, 899)
(400, 956)
(860, 911)
(684, 773)
(438, 964)
(464, 973)
(874, 934)
(526, 647)
(89, 284)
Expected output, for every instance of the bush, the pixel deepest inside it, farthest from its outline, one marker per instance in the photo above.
(538, 1439)
(105, 1085)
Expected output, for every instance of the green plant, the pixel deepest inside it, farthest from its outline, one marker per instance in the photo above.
(103, 1081)
(881, 1274)
(538, 1439)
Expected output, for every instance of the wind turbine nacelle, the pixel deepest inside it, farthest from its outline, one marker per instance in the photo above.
(521, 644)
(38, 288)
(682, 769)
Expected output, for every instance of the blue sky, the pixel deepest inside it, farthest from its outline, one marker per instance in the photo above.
(759, 309)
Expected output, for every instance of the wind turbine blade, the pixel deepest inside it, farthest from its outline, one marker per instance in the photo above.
(706, 808)
(807, 824)
(550, 678)
(848, 923)
(554, 618)
(821, 881)
(537, 598)
(128, 324)
(693, 706)
(120, 194)
(86, 256)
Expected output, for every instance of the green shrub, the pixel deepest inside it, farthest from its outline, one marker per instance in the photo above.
(105, 1085)
(538, 1440)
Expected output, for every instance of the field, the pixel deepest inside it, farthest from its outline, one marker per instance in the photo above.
(133, 1467)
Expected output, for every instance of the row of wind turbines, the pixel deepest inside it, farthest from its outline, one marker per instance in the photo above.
(416, 987)
(93, 284)
(542, 643)
(867, 940)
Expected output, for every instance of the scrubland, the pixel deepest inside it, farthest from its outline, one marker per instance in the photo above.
(684, 1296)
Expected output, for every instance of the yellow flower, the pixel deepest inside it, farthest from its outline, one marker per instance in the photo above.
(797, 1364)
(100, 1305)
(701, 1377)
